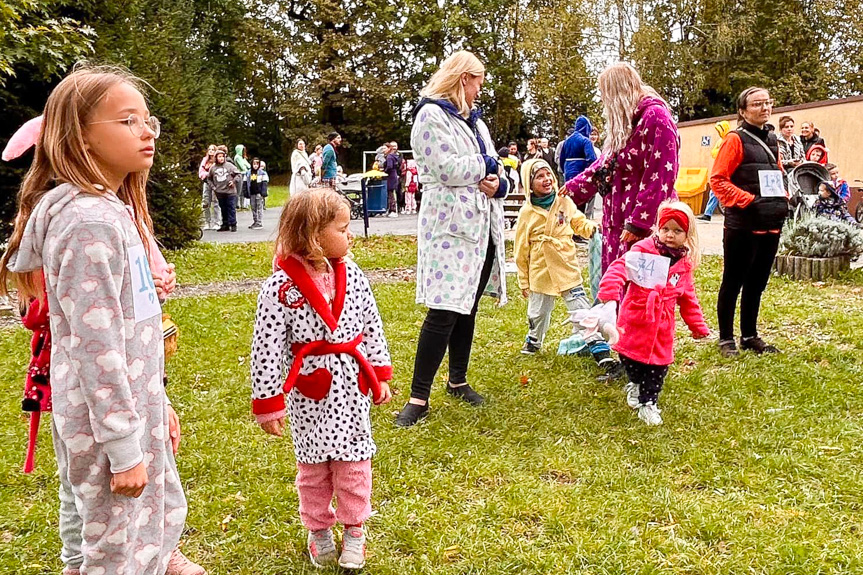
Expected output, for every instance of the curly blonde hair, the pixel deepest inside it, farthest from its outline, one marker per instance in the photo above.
(303, 219)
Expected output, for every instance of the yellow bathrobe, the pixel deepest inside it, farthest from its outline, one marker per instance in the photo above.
(545, 252)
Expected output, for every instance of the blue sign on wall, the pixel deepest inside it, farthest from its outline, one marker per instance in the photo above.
(705, 140)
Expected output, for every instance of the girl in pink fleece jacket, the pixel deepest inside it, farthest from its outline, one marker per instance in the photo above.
(657, 276)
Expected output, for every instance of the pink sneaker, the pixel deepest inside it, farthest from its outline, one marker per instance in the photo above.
(322, 548)
(178, 564)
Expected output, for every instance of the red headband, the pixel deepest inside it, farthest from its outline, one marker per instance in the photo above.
(677, 215)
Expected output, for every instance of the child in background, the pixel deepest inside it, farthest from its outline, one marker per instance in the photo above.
(412, 181)
(212, 215)
(265, 188)
(840, 185)
(225, 180)
(646, 320)
(245, 168)
(258, 183)
(829, 205)
(817, 153)
(547, 261)
(122, 507)
(318, 319)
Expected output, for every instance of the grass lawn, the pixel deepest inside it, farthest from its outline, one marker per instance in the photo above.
(756, 470)
(277, 196)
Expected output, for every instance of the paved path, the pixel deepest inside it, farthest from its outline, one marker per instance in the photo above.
(378, 225)
(710, 232)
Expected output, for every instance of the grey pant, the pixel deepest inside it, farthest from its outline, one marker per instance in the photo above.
(257, 208)
(71, 524)
(212, 213)
(540, 306)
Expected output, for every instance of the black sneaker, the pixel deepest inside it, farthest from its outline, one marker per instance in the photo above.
(466, 393)
(613, 369)
(233, 228)
(757, 345)
(530, 348)
(727, 348)
(411, 413)
(703, 218)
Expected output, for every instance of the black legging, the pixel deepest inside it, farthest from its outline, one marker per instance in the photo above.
(649, 378)
(748, 259)
(442, 329)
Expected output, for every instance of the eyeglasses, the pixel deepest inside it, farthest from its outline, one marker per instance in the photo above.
(136, 124)
(762, 104)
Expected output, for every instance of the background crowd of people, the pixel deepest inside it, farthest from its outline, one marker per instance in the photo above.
(230, 184)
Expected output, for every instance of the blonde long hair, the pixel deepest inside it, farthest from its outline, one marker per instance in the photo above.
(621, 89)
(303, 219)
(692, 242)
(61, 156)
(445, 84)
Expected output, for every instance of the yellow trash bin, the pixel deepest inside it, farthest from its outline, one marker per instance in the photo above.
(691, 187)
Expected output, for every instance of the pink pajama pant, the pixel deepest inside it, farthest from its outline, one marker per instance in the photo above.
(349, 481)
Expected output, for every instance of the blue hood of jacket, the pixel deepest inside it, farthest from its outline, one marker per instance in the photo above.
(577, 152)
(583, 126)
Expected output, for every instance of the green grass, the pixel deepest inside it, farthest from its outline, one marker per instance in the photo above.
(206, 262)
(757, 468)
(277, 196)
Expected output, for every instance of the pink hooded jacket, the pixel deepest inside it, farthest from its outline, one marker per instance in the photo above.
(646, 319)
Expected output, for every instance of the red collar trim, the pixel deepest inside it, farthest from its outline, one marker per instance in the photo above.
(297, 272)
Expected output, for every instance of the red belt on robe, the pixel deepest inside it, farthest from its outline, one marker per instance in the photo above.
(316, 385)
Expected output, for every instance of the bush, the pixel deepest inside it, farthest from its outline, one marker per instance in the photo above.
(814, 237)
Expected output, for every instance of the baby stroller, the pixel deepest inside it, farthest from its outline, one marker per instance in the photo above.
(803, 186)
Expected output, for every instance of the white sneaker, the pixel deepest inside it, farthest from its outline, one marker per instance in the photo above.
(649, 414)
(633, 391)
(393, 215)
(353, 548)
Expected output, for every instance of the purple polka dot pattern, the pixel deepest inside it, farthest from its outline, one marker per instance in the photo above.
(456, 217)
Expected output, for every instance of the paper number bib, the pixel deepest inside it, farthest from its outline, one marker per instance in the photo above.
(143, 290)
(772, 184)
(647, 270)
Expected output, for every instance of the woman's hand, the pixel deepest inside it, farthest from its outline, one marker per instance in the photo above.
(174, 429)
(275, 427)
(525, 293)
(489, 185)
(628, 237)
(130, 483)
(386, 394)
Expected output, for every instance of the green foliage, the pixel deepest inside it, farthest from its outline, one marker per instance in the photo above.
(815, 237)
(34, 34)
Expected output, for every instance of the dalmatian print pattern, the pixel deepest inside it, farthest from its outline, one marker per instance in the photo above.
(337, 427)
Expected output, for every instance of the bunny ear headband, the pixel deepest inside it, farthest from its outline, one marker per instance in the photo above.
(24, 139)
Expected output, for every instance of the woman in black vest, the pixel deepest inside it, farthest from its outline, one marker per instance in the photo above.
(747, 178)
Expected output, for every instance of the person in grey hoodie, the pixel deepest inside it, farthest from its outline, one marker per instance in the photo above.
(225, 180)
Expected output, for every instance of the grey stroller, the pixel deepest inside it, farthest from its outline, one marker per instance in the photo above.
(803, 186)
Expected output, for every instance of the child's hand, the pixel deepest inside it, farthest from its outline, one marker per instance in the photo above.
(704, 335)
(130, 483)
(386, 394)
(165, 284)
(525, 293)
(174, 429)
(275, 427)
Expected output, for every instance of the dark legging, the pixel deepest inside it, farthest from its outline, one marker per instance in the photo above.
(748, 259)
(442, 329)
(649, 378)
